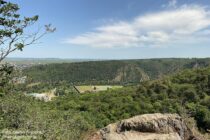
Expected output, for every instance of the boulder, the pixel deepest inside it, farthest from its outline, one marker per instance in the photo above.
(147, 127)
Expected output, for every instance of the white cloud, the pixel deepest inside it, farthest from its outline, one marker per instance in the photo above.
(163, 28)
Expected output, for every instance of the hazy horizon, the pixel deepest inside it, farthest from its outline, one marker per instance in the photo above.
(106, 59)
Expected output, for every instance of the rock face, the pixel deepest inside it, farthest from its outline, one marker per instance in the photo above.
(147, 127)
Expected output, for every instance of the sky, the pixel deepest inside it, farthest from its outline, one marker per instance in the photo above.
(119, 29)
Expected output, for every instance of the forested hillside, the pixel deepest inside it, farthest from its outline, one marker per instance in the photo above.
(186, 93)
(109, 72)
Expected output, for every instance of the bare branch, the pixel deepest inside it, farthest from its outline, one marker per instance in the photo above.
(13, 34)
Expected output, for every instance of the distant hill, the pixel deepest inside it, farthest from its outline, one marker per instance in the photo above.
(37, 61)
(112, 72)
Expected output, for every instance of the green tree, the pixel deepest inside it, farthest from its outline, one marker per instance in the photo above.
(5, 76)
(202, 117)
(13, 34)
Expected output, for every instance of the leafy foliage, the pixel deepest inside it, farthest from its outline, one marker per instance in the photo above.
(73, 115)
(111, 72)
(6, 72)
(13, 27)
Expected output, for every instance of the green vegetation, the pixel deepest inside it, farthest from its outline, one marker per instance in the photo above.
(13, 29)
(111, 72)
(73, 115)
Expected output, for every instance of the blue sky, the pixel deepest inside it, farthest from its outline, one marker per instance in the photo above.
(120, 29)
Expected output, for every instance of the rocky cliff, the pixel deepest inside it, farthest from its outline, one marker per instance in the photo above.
(147, 127)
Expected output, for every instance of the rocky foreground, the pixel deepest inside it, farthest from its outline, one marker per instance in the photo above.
(147, 127)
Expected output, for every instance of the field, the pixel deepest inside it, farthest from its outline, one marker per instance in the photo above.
(83, 89)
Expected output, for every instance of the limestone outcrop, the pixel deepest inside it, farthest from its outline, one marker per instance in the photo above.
(147, 127)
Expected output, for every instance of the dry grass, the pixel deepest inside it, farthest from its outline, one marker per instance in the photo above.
(96, 88)
(192, 125)
(33, 84)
